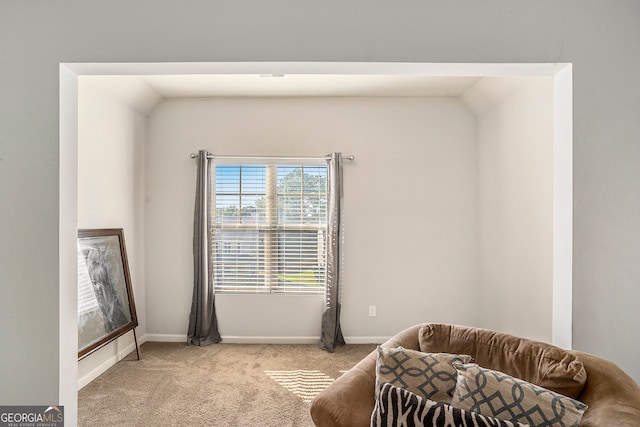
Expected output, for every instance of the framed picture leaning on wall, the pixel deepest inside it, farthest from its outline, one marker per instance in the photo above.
(106, 309)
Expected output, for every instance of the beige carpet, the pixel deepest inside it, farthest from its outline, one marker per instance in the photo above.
(220, 385)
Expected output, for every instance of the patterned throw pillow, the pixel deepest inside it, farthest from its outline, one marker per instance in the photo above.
(398, 407)
(430, 375)
(496, 394)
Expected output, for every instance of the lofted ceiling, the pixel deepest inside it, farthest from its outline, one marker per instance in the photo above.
(144, 85)
(308, 85)
(143, 92)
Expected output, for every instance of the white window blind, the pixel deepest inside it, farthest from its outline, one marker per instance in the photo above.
(269, 228)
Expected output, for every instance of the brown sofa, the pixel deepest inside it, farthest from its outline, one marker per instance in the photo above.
(612, 396)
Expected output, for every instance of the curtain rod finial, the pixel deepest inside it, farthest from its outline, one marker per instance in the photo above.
(193, 155)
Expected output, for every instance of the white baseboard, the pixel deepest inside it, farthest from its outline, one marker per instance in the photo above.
(108, 363)
(166, 338)
(270, 340)
(265, 340)
(237, 340)
(365, 340)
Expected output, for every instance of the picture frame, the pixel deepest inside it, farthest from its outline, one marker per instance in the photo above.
(106, 307)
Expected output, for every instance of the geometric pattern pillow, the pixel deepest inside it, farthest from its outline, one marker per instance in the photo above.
(430, 375)
(396, 406)
(496, 394)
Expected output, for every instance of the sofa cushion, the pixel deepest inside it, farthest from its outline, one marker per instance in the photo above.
(430, 375)
(396, 406)
(536, 362)
(496, 394)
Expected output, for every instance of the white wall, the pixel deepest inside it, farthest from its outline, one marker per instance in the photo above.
(410, 209)
(515, 192)
(111, 139)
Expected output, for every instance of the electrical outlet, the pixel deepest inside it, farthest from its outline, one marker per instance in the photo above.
(372, 311)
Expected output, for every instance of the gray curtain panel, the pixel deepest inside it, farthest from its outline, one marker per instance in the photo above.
(203, 324)
(331, 334)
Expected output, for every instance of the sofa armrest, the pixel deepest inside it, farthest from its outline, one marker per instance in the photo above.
(613, 396)
(346, 402)
(350, 399)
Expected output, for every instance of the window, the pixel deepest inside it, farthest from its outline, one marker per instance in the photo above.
(270, 228)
